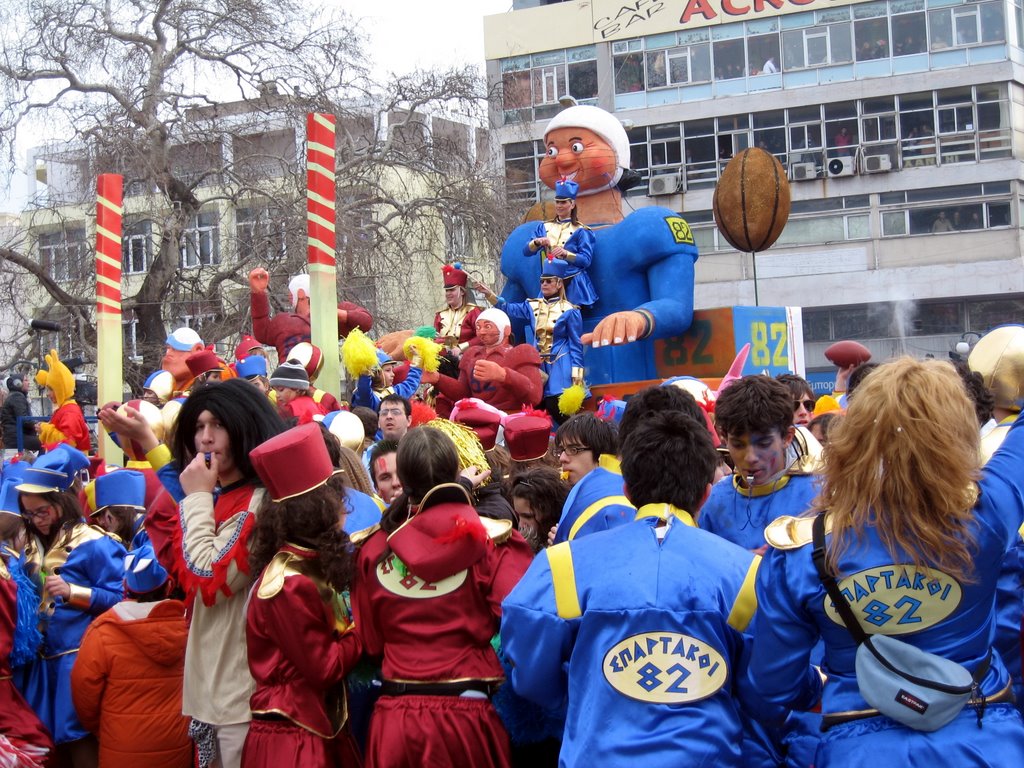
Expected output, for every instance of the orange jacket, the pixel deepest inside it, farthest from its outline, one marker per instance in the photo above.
(126, 685)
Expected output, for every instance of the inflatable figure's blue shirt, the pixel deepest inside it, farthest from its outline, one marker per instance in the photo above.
(646, 261)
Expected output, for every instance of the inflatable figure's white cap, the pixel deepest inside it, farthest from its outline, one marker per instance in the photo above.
(603, 123)
(296, 284)
(497, 317)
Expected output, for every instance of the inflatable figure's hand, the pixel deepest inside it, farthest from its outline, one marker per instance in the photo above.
(488, 370)
(617, 328)
(259, 279)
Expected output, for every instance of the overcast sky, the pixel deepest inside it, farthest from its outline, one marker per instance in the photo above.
(403, 34)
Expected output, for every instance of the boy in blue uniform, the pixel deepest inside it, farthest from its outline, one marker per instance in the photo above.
(586, 449)
(755, 417)
(639, 632)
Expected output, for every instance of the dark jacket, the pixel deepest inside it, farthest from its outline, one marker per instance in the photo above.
(14, 406)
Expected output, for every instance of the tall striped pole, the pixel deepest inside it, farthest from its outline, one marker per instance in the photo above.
(320, 219)
(109, 352)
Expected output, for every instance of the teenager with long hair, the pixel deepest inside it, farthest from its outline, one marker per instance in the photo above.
(917, 531)
(427, 600)
(82, 569)
(204, 543)
(300, 637)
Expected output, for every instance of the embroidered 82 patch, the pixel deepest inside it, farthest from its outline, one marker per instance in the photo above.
(665, 668)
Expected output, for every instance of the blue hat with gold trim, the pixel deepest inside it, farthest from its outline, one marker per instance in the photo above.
(123, 488)
(9, 497)
(248, 367)
(554, 268)
(566, 189)
(50, 473)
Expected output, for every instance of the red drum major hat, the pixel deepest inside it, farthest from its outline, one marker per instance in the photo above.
(527, 437)
(203, 361)
(293, 463)
(481, 417)
(454, 275)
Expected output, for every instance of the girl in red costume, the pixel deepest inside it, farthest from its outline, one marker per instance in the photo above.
(427, 598)
(299, 632)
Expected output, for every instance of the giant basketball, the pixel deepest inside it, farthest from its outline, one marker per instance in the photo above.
(751, 203)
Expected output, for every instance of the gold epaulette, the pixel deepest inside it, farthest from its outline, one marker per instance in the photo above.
(281, 566)
(498, 531)
(808, 454)
(5, 575)
(80, 534)
(360, 537)
(788, 532)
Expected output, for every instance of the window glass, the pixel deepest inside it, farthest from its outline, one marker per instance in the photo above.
(729, 59)
(872, 38)
(984, 314)
(909, 34)
(817, 324)
(993, 26)
(629, 73)
(583, 80)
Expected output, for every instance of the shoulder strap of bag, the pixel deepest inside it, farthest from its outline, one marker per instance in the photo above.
(829, 582)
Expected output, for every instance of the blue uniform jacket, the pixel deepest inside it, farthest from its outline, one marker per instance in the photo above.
(366, 396)
(363, 511)
(595, 503)
(566, 347)
(934, 612)
(741, 514)
(96, 562)
(579, 290)
(644, 262)
(643, 638)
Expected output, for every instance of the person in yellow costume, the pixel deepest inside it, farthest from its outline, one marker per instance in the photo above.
(67, 424)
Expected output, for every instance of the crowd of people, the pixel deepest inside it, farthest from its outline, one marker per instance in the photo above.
(454, 569)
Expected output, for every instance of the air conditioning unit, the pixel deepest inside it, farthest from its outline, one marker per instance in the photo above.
(840, 166)
(665, 184)
(803, 171)
(877, 163)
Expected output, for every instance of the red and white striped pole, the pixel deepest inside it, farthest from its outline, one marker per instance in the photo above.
(320, 231)
(109, 344)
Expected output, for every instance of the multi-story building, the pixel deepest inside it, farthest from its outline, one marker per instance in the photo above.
(246, 168)
(900, 124)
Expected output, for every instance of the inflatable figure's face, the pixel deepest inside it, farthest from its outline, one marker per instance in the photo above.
(174, 362)
(488, 333)
(580, 155)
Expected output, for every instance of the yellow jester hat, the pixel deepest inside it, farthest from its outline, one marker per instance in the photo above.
(58, 378)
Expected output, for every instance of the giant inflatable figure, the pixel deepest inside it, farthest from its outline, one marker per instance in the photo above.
(643, 266)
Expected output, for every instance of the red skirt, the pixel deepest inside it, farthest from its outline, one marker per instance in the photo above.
(17, 720)
(273, 743)
(436, 731)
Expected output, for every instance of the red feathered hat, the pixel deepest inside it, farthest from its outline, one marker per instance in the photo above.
(454, 276)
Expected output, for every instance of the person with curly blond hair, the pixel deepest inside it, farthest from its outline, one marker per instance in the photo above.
(916, 532)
